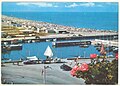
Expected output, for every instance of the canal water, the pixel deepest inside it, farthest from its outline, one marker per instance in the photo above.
(38, 49)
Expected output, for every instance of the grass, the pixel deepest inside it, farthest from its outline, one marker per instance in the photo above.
(41, 34)
(11, 30)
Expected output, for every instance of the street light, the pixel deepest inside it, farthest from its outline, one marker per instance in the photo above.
(44, 72)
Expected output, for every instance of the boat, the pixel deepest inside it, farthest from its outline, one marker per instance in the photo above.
(115, 50)
(53, 43)
(49, 54)
(12, 47)
(29, 41)
(54, 40)
(31, 60)
(98, 48)
(84, 46)
(3, 60)
(15, 47)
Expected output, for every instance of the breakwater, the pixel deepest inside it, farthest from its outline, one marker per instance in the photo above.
(71, 43)
(102, 37)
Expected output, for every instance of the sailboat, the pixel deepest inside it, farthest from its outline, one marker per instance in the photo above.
(48, 53)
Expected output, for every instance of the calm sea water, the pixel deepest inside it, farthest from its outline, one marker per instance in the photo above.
(38, 49)
(93, 20)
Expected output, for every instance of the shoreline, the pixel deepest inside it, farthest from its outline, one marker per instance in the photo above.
(93, 29)
(73, 32)
(64, 26)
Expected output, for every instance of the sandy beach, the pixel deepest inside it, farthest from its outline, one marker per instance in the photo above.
(40, 24)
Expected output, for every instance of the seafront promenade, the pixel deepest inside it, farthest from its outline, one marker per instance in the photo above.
(32, 74)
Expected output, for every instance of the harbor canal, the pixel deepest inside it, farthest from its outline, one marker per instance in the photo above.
(38, 49)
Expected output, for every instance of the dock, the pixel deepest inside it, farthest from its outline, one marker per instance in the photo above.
(33, 39)
(71, 43)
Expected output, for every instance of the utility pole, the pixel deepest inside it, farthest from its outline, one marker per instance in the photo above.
(45, 73)
(44, 76)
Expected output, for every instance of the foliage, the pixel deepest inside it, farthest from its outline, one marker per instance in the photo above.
(103, 72)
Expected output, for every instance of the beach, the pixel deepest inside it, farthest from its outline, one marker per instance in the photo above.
(50, 26)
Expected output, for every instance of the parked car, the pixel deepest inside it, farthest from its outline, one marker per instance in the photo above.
(65, 67)
(29, 62)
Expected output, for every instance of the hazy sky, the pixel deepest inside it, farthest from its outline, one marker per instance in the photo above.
(59, 7)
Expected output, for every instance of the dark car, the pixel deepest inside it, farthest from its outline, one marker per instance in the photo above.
(65, 67)
(29, 62)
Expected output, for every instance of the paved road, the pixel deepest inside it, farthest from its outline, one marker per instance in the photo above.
(32, 74)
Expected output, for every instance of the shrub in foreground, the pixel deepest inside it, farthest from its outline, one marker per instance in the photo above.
(103, 72)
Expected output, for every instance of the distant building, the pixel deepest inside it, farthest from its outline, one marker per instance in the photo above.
(17, 25)
(3, 34)
(43, 29)
(27, 31)
(61, 31)
(50, 31)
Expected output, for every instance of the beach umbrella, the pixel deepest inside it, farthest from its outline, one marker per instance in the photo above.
(102, 50)
(48, 52)
(92, 56)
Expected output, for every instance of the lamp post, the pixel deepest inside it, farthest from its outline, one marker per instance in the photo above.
(44, 72)
(44, 76)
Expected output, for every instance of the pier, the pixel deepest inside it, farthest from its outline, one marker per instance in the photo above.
(102, 37)
(71, 43)
(33, 39)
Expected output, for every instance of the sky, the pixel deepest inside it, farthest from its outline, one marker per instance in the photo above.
(59, 7)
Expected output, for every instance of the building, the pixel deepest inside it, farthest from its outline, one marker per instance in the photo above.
(27, 31)
(3, 34)
(61, 31)
(43, 30)
(50, 31)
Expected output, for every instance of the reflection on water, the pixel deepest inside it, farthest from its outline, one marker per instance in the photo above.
(38, 49)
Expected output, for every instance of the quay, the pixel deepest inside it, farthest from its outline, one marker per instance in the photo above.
(71, 43)
(103, 37)
(34, 39)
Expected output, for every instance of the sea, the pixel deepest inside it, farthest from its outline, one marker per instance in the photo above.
(91, 20)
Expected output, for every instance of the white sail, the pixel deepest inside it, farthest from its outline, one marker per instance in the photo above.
(48, 52)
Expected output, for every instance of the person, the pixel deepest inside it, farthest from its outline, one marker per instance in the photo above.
(42, 72)
(76, 60)
(70, 63)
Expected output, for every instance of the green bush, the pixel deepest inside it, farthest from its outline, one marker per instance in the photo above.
(103, 72)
